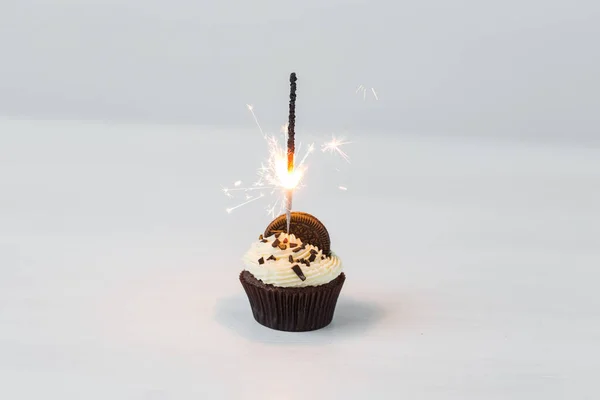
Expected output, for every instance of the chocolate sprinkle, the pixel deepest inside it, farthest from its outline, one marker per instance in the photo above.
(261, 260)
(296, 268)
(291, 258)
(260, 237)
(292, 245)
(300, 248)
(322, 257)
(272, 257)
(264, 240)
(282, 246)
(275, 243)
(312, 257)
(313, 251)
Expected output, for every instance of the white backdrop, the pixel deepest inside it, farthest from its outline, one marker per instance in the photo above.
(471, 265)
(469, 230)
(520, 68)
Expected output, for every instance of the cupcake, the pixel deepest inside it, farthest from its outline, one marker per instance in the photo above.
(293, 279)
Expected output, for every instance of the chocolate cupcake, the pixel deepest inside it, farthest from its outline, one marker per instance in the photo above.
(293, 280)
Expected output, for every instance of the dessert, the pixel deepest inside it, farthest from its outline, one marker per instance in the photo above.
(293, 280)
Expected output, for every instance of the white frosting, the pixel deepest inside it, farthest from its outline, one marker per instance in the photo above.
(279, 272)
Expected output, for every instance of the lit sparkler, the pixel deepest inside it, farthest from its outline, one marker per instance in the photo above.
(291, 148)
(280, 174)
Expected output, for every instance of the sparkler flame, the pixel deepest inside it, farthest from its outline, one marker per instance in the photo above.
(276, 173)
(287, 179)
(274, 177)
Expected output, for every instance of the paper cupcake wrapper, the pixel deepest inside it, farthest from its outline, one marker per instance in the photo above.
(292, 309)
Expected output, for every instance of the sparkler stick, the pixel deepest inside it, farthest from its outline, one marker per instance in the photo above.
(281, 173)
(291, 146)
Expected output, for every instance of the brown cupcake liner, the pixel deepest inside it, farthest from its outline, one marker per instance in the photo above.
(292, 309)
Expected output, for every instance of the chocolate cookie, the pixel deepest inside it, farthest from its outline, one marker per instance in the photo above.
(304, 226)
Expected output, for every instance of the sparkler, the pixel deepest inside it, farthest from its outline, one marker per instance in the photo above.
(281, 174)
(279, 171)
(291, 147)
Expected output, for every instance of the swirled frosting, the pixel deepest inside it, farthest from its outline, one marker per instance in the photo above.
(272, 264)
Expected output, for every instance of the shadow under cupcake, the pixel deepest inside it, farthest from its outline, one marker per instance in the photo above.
(293, 280)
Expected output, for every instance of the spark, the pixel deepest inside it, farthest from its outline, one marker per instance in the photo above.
(344, 188)
(362, 89)
(226, 191)
(374, 93)
(251, 109)
(246, 189)
(272, 207)
(309, 151)
(250, 200)
(334, 146)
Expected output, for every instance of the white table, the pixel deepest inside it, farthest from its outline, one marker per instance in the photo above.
(472, 268)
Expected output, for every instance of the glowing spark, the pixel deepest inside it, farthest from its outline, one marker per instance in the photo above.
(250, 200)
(246, 189)
(251, 109)
(374, 93)
(237, 183)
(226, 191)
(364, 90)
(311, 148)
(344, 188)
(271, 208)
(334, 146)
